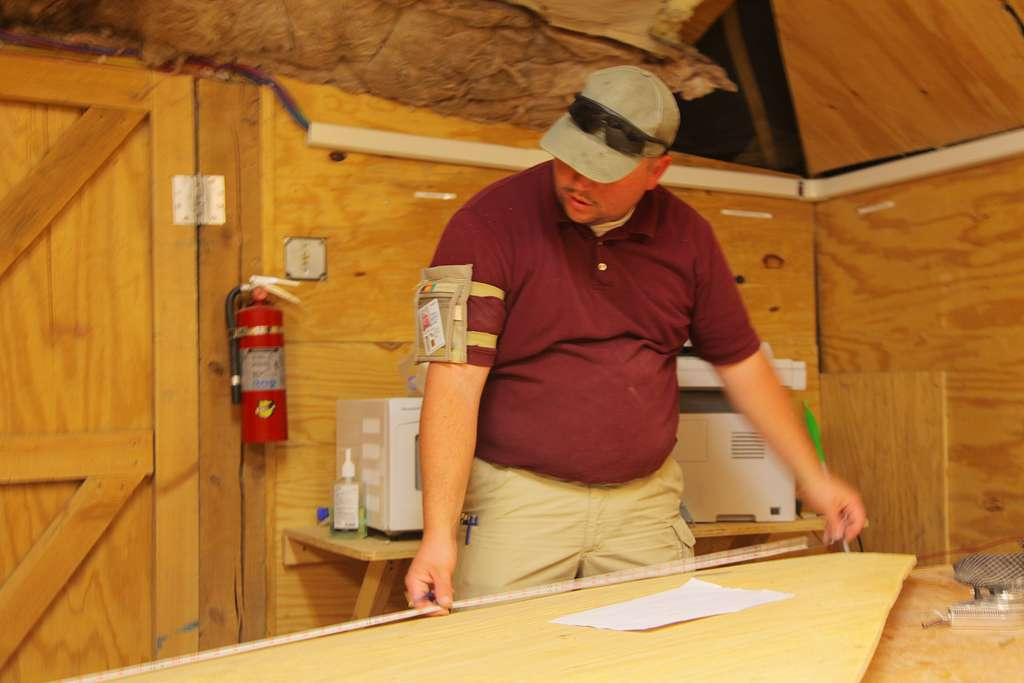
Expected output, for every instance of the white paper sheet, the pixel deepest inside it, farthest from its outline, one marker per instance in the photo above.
(694, 600)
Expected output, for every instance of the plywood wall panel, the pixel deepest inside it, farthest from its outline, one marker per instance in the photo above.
(332, 105)
(936, 279)
(379, 234)
(986, 469)
(935, 282)
(321, 373)
(772, 249)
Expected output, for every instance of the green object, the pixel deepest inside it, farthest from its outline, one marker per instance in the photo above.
(814, 431)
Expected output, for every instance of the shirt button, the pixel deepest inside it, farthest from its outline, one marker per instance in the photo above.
(602, 266)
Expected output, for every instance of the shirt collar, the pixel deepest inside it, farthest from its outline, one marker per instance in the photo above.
(641, 225)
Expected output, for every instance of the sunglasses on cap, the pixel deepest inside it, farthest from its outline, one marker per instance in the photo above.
(619, 134)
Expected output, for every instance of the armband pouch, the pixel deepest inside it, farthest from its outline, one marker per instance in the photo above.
(441, 315)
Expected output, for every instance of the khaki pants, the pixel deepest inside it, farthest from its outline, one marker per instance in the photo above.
(532, 530)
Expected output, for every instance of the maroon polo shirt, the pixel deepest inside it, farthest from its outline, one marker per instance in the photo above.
(583, 381)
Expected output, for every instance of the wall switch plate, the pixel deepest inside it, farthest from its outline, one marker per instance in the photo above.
(305, 258)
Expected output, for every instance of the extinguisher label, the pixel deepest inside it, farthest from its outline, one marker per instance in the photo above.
(262, 369)
(265, 408)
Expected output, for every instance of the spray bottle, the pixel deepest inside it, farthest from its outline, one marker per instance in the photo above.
(346, 495)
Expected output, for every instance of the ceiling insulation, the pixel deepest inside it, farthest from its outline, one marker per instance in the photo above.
(480, 59)
(651, 25)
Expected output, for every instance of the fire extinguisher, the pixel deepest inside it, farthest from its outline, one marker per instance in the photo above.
(256, 339)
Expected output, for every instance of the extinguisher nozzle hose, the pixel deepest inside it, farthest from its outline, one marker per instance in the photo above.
(235, 362)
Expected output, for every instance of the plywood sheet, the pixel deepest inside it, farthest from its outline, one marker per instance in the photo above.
(871, 80)
(886, 434)
(828, 631)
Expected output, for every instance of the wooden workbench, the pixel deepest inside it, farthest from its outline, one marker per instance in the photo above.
(826, 632)
(387, 559)
(908, 652)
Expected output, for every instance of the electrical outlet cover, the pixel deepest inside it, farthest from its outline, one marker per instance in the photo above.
(305, 258)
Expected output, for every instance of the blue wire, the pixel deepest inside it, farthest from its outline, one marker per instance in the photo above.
(248, 72)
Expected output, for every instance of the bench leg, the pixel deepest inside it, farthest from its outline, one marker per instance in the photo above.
(376, 587)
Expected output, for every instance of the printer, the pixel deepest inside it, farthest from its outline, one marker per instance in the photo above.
(730, 473)
(384, 435)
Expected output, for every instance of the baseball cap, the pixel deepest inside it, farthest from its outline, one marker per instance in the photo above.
(615, 102)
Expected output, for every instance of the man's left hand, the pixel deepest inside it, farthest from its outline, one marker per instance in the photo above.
(839, 503)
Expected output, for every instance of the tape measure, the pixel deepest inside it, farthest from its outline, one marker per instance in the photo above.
(754, 552)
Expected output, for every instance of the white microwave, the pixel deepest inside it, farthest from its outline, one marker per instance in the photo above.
(384, 435)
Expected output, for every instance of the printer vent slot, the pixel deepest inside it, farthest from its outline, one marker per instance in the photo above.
(746, 445)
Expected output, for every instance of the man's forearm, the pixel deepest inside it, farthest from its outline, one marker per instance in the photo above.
(754, 389)
(447, 441)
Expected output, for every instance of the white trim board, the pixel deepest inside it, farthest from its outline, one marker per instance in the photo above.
(442, 150)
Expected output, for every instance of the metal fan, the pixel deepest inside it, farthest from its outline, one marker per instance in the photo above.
(998, 582)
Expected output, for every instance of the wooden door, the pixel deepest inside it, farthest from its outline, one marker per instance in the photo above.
(98, 424)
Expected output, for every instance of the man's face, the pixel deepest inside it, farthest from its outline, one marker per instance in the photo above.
(590, 202)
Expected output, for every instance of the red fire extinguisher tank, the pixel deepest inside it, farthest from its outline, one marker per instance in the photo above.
(260, 336)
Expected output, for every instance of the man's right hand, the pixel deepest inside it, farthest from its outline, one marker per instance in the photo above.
(429, 579)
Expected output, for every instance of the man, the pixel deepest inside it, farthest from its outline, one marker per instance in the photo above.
(560, 408)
